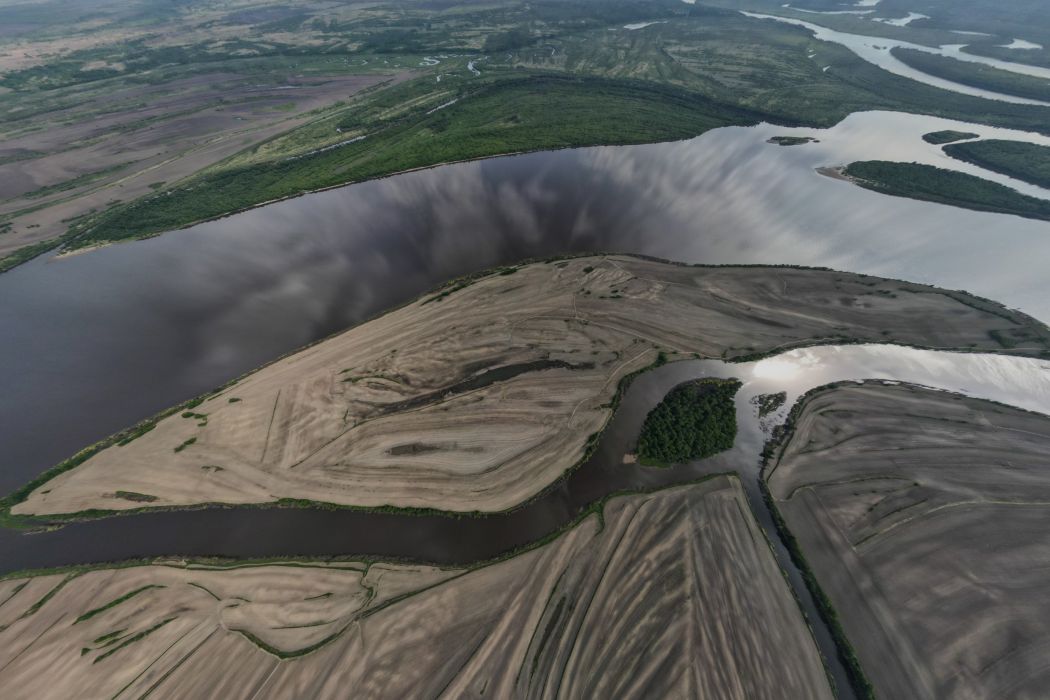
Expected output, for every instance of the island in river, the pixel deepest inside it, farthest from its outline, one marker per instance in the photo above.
(479, 396)
(923, 517)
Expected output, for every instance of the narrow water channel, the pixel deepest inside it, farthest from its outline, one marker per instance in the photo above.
(313, 533)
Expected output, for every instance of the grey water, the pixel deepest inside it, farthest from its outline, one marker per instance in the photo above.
(92, 343)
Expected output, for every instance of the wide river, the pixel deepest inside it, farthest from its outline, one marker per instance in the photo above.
(95, 342)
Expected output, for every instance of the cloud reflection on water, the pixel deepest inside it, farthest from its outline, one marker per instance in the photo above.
(97, 341)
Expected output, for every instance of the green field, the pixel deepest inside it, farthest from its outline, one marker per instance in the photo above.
(1017, 159)
(932, 184)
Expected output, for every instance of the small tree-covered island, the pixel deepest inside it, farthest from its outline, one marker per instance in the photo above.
(695, 420)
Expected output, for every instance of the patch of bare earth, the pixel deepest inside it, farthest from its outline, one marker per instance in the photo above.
(925, 516)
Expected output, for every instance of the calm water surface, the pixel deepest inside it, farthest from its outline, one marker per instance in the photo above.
(95, 342)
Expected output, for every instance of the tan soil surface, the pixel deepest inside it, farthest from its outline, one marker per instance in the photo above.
(925, 517)
(676, 594)
(379, 415)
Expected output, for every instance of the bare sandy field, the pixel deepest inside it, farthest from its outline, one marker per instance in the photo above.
(673, 594)
(478, 397)
(925, 516)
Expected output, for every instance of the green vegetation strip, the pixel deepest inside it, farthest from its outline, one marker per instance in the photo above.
(522, 113)
(933, 184)
(695, 420)
(771, 455)
(49, 595)
(134, 638)
(1024, 161)
(858, 680)
(113, 603)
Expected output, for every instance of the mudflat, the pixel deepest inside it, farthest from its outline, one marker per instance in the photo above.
(924, 515)
(671, 594)
(480, 395)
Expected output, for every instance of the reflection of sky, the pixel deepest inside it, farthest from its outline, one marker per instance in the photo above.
(96, 341)
(1016, 381)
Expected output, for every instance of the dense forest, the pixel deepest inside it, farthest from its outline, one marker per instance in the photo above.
(947, 136)
(933, 184)
(695, 420)
(1017, 159)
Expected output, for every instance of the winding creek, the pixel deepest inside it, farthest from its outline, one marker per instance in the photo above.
(96, 341)
(275, 532)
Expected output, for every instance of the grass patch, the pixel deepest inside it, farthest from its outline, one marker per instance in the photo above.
(112, 604)
(933, 184)
(133, 638)
(185, 444)
(73, 183)
(695, 420)
(135, 496)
